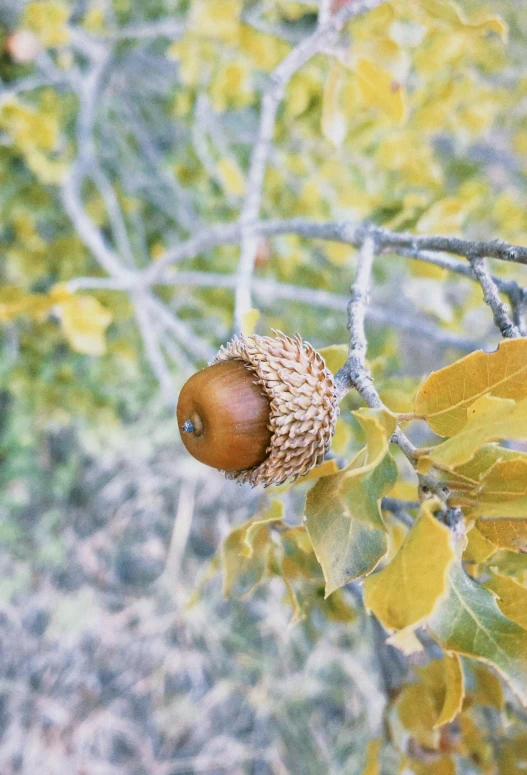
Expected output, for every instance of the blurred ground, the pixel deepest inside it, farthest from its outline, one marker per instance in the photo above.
(105, 669)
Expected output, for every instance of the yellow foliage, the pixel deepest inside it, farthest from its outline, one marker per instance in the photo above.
(197, 59)
(410, 156)
(489, 419)
(408, 589)
(335, 356)
(478, 548)
(288, 9)
(341, 438)
(250, 319)
(443, 399)
(505, 533)
(449, 11)
(488, 689)
(29, 128)
(14, 301)
(513, 755)
(338, 254)
(264, 51)
(379, 89)
(372, 765)
(231, 177)
(48, 20)
(444, 217)
(433, 701)
(511, 596)
(219, 19)
(84, 322)
(342, 511)
(304, 87)
(94, 20)
(246, 551)
(231, 86)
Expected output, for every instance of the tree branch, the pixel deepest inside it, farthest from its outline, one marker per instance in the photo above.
(355, 373)
(402, 243)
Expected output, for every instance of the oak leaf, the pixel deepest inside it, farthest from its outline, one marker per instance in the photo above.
(407, 590)
(469, 621)
(343, 516)
(443, 399)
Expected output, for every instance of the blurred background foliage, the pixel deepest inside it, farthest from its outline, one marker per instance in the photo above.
(416, 119)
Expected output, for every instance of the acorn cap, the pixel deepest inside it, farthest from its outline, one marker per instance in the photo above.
(303, 404)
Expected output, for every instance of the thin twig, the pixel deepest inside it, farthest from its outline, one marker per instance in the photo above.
(153, 350)
(180, 531)
(399, 509)
(165, 28)
(492, 298)
(113, 208)
(193, 343)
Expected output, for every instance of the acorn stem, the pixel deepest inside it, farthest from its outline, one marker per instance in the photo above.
(188, 427)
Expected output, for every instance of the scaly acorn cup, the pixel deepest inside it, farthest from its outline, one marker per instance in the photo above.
(264, 411)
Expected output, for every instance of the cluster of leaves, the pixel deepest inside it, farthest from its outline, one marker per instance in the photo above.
(469, 594)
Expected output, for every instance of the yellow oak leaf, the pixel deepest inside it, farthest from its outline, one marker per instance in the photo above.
(408, 589)
(505, 533)
(246, 551)
(335, 356)
(478, 548)
(379, 89)
(511, 597)
(505, 480)
(417, 711)
(373, 765)
(488, 419)
(469, 475)
(449, 11)
(442, 683)
(513, 509)
(84, 322)
(489, 689)
(468, 621)
(14, 301)
(249, 321)
(343, 516)
(454, 690)
(443, 399)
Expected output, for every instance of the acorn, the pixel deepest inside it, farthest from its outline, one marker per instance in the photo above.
(264, 411)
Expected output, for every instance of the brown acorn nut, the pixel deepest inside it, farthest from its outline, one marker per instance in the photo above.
(291, 380)
(223, 417)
